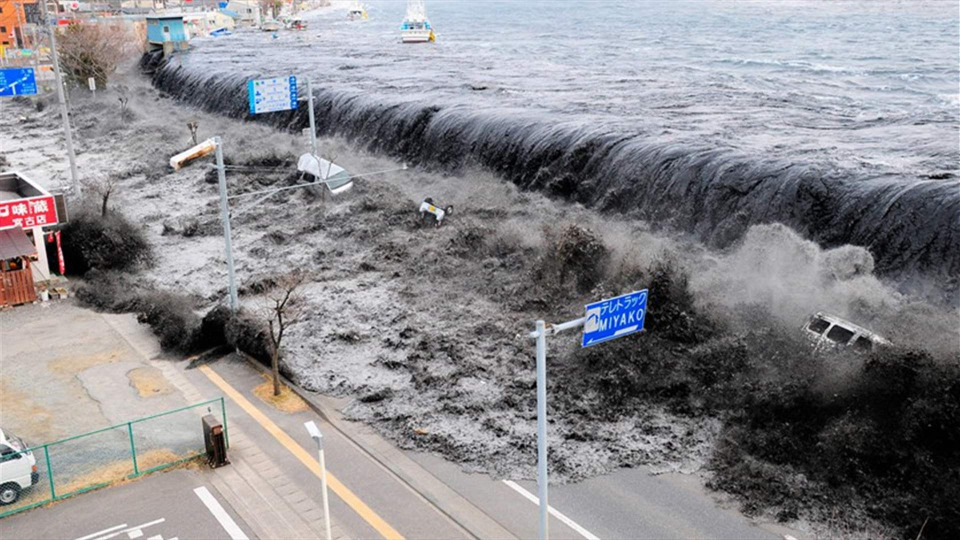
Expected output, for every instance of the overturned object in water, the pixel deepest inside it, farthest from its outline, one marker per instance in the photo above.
(205, 148)
(334, 176)
(829, 332)
(429, 207)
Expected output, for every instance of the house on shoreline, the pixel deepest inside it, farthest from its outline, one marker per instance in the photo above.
(247, 12)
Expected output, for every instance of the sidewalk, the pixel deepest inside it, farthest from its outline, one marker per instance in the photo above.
(365, 498)
(405, 470)
(260, 492)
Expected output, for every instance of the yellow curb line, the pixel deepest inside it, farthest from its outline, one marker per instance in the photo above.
(338, 488)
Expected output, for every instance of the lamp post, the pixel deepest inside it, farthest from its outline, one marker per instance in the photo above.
(315, 434)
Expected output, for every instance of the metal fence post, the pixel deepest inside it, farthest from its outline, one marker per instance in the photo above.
(133, 449)
(223, 414)
(46, 455)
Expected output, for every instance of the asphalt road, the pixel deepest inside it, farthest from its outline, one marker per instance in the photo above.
(161, 506)
(397, 504)
(630, 503)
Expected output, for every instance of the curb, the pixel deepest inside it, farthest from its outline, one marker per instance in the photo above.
(472, 520)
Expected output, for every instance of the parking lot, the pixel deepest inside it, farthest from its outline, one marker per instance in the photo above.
(166, 506)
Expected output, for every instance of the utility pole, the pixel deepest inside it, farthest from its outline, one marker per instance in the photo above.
(64, 115)
(36, 51)
(225, 216)
(313, 125)
(19, 38)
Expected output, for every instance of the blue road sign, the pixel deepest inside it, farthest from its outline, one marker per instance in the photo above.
(17, 82)
(613, 318)
(271, 95)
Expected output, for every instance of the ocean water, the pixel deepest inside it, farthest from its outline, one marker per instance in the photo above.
(840, 119)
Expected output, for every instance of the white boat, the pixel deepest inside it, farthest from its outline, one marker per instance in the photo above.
(416, 27)
(270, 26)
(357, 12)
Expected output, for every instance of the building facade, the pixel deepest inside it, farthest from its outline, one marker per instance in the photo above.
(13, 18)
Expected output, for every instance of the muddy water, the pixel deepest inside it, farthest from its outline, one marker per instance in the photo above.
(840, 121)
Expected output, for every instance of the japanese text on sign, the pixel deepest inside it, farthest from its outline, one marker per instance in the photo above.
(17, 82)
(613, 318)
(27, 213)
(271, 95)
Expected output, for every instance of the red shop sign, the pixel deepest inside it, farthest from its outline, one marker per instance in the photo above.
(27, 213)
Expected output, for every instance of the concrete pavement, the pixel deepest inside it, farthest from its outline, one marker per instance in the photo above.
(253, 483)
(67, 370)
(374, 497)
(272, 486)
(164, 506)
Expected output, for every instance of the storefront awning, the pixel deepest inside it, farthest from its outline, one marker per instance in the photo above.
(14, 243)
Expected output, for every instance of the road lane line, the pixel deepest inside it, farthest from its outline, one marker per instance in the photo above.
(556, 513)
(100, 533)
(227, 522)
(308, 460)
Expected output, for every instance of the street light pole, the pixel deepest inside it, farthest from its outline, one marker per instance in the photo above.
(64, 115)
(540, 334)
(542, 428)
(315, 434)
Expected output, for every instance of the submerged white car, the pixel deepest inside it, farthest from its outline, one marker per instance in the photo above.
(336, 179)
(828, 331)
(18, 468)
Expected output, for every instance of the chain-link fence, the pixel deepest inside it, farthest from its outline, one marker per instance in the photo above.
(31, 477)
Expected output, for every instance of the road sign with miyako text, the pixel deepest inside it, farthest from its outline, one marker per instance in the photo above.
(271, 95)
(27, 213)
(614, 318)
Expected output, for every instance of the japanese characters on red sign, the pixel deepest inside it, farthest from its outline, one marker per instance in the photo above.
(27, 213)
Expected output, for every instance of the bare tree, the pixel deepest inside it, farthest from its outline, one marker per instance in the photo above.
(285, 307)
(102, 187)
(193, 125)
(93, 50)
(123, 96)
(272, 7)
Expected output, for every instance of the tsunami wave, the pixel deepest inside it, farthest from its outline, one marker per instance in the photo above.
(910, 226)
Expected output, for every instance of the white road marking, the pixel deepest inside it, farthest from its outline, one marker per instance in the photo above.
(235, 532)
(99, 533)
(135, 534)
(131, 529)
(556, 513)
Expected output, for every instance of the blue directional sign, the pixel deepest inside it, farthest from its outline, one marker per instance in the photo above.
(271, 95)
(613, 318)
(17, 82)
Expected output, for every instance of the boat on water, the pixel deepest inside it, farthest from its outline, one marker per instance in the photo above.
(357, 12)
(416, 27)
(295, 23)
(270, 26)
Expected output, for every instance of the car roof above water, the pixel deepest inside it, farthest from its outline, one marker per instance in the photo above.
(855, 328)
